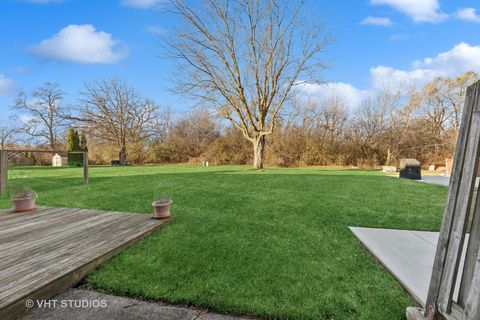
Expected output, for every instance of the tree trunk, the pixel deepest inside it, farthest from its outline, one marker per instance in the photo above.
(389, 157)
(53, 142)
(258, 152)
(122, 155)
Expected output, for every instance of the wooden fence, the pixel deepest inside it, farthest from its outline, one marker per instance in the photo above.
(462, 206)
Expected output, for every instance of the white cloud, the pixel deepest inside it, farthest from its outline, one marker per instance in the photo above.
(142, 4)
(6, 86)
(419, 11)
(377, 21)
(456, 61)
(468, 14)
(388, 77)
(320, 92)
(460, 59)
(81, 43)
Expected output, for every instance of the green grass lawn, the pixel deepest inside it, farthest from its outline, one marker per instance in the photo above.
(272, 244)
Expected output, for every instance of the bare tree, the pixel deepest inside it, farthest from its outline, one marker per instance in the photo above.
(333, 114)
(116, 112)
(7, 135)
(163, 124)
(193, 133)
(41, 113)
(451, 94)
(246, 57)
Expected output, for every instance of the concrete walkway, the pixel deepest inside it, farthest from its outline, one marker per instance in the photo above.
(439, 180)
(407, 255)
(80, 304)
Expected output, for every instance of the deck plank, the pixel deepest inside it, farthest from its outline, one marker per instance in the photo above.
(51, 240)
(52, 249)
(80, 221)
(7, 215)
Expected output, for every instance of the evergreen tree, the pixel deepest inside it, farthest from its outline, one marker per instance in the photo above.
(71, 140)
(73, 144)
(83, 142)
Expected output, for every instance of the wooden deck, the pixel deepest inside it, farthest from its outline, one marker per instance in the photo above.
(45, 252)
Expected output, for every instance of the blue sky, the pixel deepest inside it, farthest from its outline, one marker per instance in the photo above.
(73, 41)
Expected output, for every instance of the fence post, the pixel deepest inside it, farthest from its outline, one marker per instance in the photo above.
(3, 172)
(441, 303)
(85, 168)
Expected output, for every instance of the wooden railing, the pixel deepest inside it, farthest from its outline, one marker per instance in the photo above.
(461, 206)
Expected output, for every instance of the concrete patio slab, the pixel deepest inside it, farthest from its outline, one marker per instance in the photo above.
(407, 255)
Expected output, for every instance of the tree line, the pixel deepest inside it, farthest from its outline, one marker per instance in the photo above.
(119, 123)
(397, 123)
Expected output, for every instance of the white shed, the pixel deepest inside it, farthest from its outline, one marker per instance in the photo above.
(56, 160)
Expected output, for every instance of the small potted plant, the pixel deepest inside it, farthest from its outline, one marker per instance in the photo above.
(23, 199)
(161, 205)
(162, 208)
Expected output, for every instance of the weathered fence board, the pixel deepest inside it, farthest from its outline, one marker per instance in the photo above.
(462, 210)
(458, 209)
(471, 255)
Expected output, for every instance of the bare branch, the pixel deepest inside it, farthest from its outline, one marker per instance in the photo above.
(245, 57)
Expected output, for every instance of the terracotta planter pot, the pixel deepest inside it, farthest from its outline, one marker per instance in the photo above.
(23, 204)
(162, 209)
